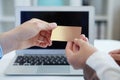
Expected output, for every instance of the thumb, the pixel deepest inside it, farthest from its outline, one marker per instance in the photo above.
(43, 25)
(79, 42)
(68, 49)
(47, 26)
(52, 25)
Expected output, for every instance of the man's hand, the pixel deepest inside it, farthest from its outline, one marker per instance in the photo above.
(78, 51)
(116, 55)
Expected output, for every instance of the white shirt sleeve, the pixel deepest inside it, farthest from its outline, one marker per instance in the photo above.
(104, 65)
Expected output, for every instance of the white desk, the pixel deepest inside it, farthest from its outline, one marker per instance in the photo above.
(103, 45)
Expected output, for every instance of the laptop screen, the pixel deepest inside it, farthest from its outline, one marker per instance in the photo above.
(65, 18)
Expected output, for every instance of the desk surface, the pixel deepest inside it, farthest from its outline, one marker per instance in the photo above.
(103, 45)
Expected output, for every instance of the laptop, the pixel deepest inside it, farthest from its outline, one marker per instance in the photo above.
(50, 60)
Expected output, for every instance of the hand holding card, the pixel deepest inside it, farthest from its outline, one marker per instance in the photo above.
(66, 33)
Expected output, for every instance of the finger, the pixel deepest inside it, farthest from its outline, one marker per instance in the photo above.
(75, 48)
(43, 41)
(48, 38)
(82, 36)
(44, 35)
(116, 56)
(47, 26)
(41, 38)
(43, 25)
(52, 26)
(68, 49)
(115, 51)
(43, 45)
(79, 42)
(40, 44)
(50, 43)
(69, 45)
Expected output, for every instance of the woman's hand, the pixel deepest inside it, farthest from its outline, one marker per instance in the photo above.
(34, 32)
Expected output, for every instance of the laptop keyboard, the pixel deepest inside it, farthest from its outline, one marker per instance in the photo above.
(41, 60)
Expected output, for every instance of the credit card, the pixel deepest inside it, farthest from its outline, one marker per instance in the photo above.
(66, 33)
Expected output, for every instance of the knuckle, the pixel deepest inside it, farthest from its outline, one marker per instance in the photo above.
(35, 23)
(34, 19)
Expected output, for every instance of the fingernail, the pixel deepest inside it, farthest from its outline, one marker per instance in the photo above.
(53, 24)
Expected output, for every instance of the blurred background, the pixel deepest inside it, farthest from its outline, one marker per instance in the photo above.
(107, 14)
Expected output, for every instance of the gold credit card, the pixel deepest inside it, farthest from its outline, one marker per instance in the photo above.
(66, 33)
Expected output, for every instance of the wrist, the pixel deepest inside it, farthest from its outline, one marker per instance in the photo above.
(90, 52)
(93, 51)
(14, 37)
(8, 41)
